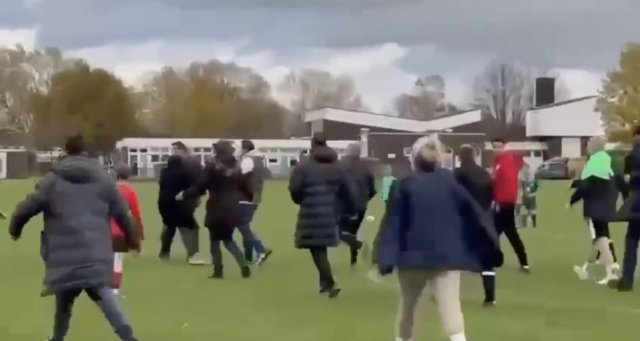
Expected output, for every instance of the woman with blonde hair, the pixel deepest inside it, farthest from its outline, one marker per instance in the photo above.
(598, 189)
(434, 230)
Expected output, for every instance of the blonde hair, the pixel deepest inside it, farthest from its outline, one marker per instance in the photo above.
(429, 152)
(427, 147)
(596, 144)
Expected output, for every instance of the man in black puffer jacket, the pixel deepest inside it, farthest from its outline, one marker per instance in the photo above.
(363, 182)
(322, 190)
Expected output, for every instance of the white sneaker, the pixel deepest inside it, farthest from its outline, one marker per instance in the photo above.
(615, 267)
(607, 279)
(582, 272)
(195, 260)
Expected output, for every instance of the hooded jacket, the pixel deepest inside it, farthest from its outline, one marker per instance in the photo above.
(432, 222)
(252, 167)
(323, 192)
(77, 198)
(360, 175)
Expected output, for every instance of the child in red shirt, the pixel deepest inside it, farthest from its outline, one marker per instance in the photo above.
(120, 246)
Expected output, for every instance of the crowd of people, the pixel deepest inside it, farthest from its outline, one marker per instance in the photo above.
(437, 222)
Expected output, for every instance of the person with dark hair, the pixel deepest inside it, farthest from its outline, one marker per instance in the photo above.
(630, 212)
(506, 167)
(190, 234)
(226, 186)
(253, 168)
(78, 198)
(434, 231)
(120, 247)
(363, 182)
(176, 215)
(322, 191)
(477, 181)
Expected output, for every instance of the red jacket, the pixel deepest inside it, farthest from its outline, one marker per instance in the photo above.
(505, 177)
(117, 234)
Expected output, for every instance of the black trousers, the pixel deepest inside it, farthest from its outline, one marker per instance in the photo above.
(320, 257)
(190, 238)
(505, 219)
(349, 227)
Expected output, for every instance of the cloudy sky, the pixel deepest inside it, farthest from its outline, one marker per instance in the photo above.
(383, 44)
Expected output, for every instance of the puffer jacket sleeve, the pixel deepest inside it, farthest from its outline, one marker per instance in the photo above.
(296, 185)
(33, 205)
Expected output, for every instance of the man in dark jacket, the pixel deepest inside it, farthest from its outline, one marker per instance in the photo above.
(363, 183)
(78, 198)
(190, 234)
(252, 167)
(477, 181)
(321, 189)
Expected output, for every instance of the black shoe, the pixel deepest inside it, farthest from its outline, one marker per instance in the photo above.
(263, 257)
(489, 304)
(355, 251)
(525, 270)
(334, 292)
(245, 272)
(164, 257)
(218, 272)
(620, 285)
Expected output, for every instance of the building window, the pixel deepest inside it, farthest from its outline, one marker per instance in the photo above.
(273, 150)
(197, 150)
(208, 150)
(143, 150)
(165, 150)
(133, 150)
(391, 156)
(273, 161)
(155, 158)
(305, 152)
(406, 151)
(165, 157)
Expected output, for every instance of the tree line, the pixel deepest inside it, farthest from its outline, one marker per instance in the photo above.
(47, 96)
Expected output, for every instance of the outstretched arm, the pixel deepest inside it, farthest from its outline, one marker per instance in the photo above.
(33, 205)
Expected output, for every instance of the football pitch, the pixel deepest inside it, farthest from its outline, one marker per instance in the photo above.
(176, 302)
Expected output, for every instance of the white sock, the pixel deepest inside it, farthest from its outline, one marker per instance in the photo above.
(458, 337)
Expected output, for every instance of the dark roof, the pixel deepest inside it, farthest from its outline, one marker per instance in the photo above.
(557, 104)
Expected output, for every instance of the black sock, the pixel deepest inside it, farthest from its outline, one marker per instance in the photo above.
(613, 252)
(489, 284)
(534, 220)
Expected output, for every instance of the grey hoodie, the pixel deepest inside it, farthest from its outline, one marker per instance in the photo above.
(77, 198)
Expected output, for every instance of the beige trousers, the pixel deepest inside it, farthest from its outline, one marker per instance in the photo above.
(444, 286)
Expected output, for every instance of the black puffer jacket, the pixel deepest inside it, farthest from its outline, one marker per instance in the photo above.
(362, 179)
(321, 189)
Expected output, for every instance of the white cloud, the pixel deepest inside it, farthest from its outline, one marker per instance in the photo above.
(24, 37)
(581, 82)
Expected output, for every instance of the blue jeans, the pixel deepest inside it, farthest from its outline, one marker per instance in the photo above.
(631, 252)
(250, 241)
(104, 299)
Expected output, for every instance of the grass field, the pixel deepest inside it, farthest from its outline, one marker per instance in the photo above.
(167, 302)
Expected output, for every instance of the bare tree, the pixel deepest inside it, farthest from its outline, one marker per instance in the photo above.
(427, 100)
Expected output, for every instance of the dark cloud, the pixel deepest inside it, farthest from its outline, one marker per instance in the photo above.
(577, 33)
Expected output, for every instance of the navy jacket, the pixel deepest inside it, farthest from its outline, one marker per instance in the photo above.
(434, 223)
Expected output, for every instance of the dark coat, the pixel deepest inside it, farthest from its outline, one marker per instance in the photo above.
(77, 198)
(383, 221)
(321, 189)
(599, 197)
(362, 179)
(630, 210)
(478, 182)
(175, 178)
(435, 224)
(226, 186)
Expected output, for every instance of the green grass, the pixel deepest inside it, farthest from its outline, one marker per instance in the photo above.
(177, 302)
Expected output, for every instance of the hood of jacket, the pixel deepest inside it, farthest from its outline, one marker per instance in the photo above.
(79, 169)
(324, 154)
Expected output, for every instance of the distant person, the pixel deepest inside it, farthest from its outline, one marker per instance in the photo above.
(630, 212)
(598, 190)
(435, 230)
(78, 198)
(477, 181)
(226, 186)
(193, 172)
(323, 192)
(364, 184)
(176, 215)
(506, 167)
(120, 245)
(252, 167)
(527, 210)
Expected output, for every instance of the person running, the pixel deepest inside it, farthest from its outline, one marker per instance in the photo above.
(435, 230)
(78, 198)
(322, 191)
(599, 190)
(226, 186)
(477, 181)
(363, 182)
(506, 167)
(252, 167)
(176, 215)
(528, 210)
(190, 235)
(120, 246)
